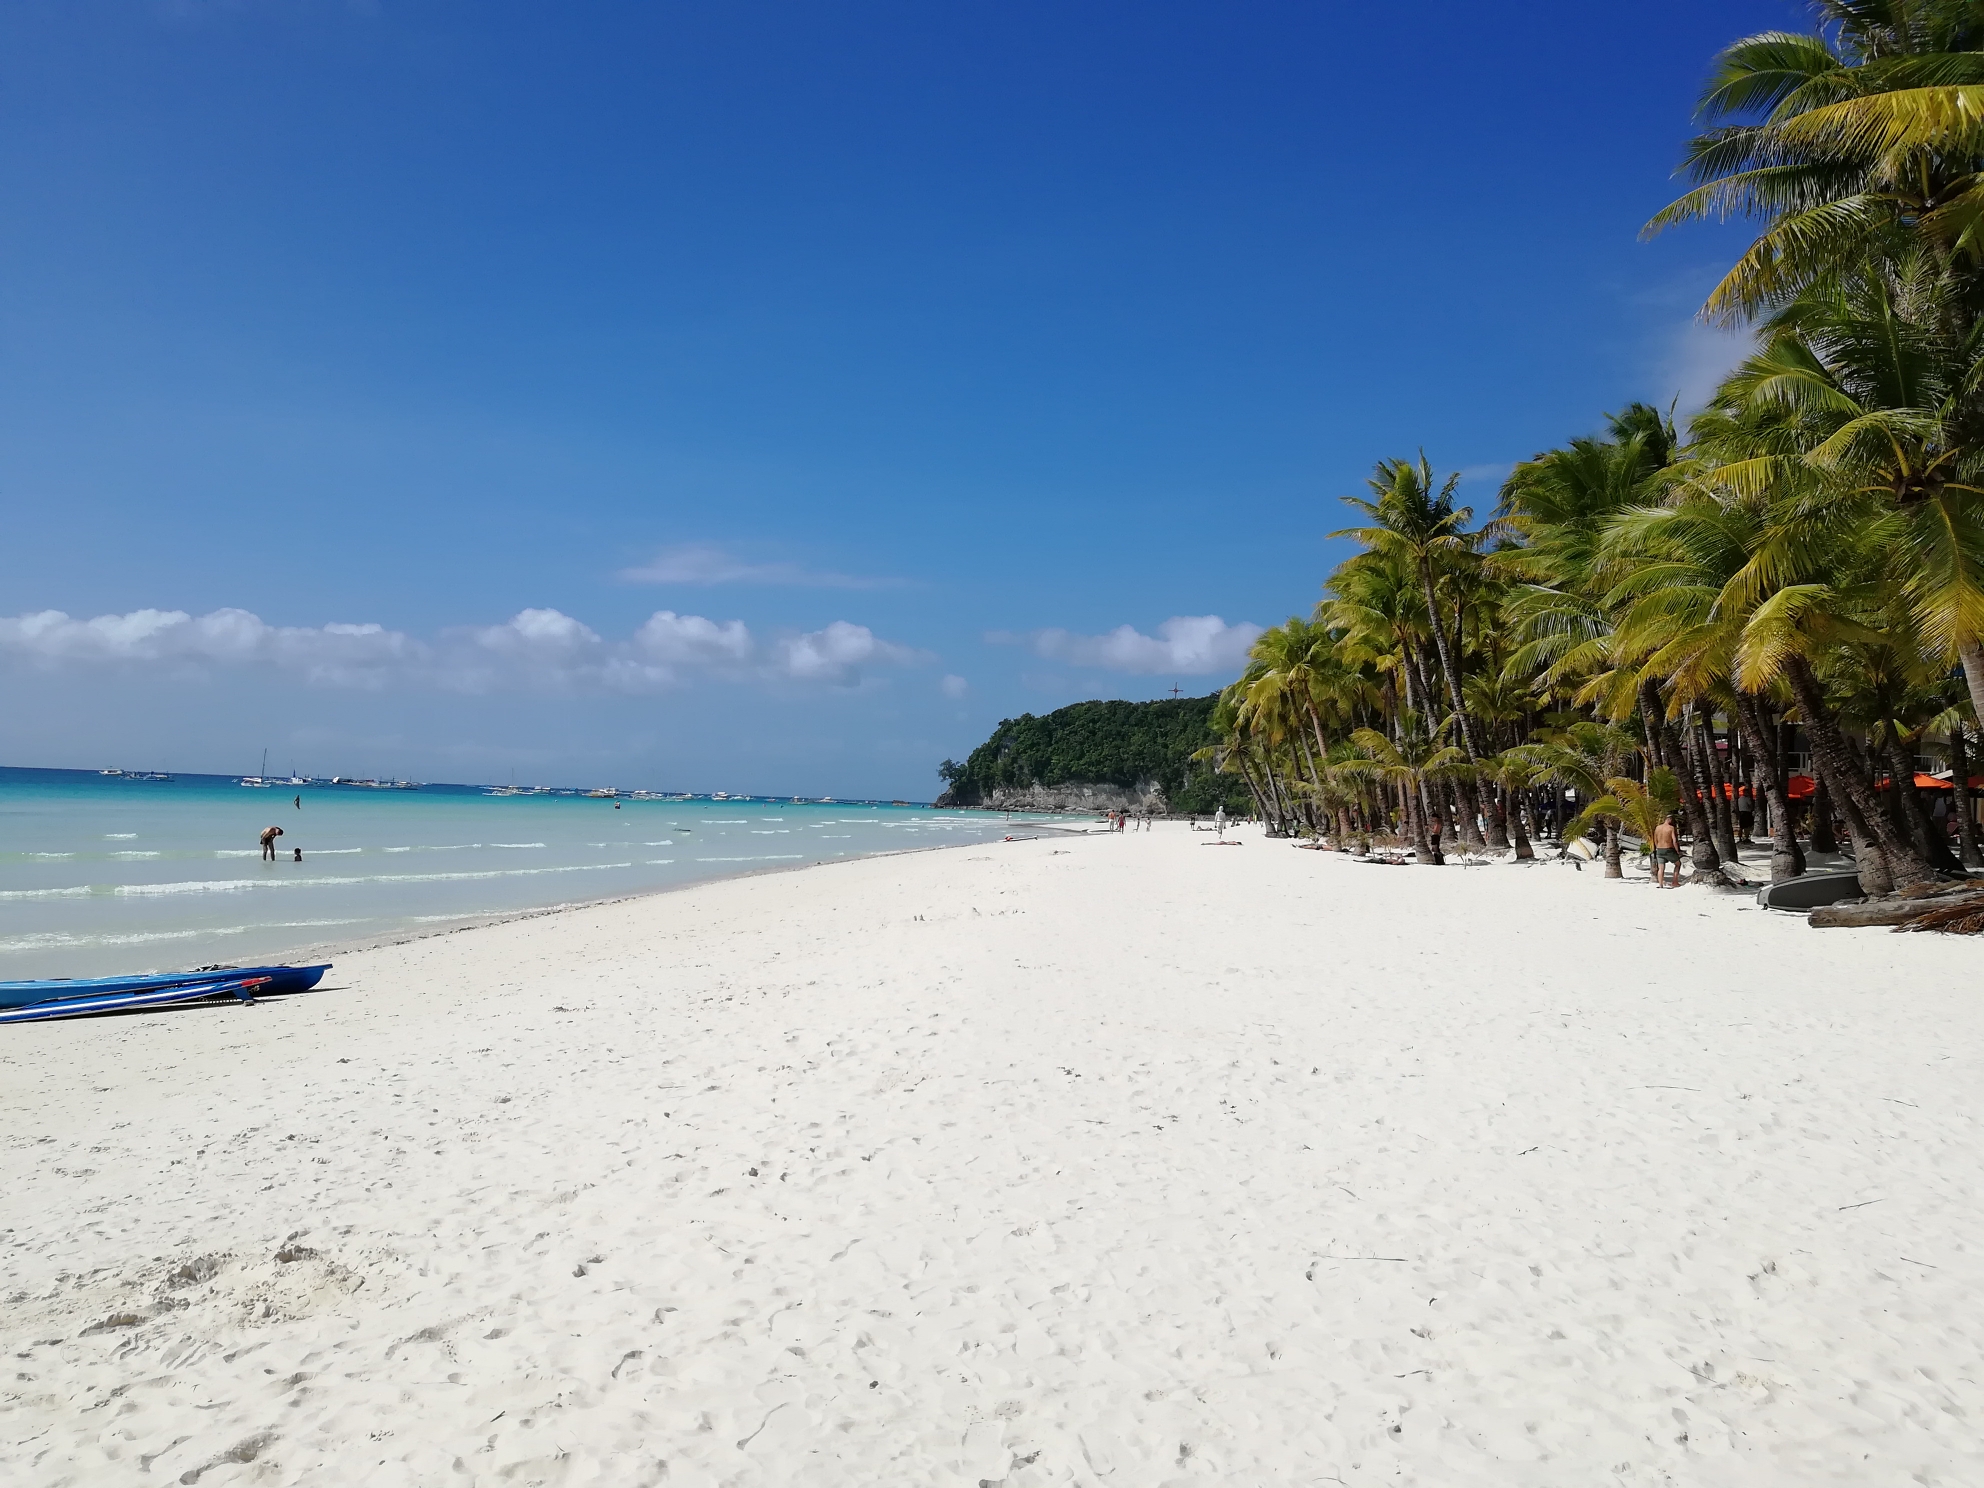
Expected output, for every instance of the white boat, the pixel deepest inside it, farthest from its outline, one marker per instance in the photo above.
(110, 772)
(602, 794)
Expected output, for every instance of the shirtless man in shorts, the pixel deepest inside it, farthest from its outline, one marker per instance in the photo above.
(269, 835)
(1666, 849)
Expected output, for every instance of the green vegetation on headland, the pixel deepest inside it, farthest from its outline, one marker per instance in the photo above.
(1772, 616)
(1132, 750)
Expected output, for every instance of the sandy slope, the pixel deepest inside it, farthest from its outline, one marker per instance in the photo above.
(1101, 1161)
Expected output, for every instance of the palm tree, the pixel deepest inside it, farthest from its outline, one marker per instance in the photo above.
(1374, 605)
(1630, 806)
(1412, 763)
(1415, 523)
(1584, 757)
(1562, 605)
(1514, 774)
(1844, 437)
(1849, 144)
(1865, 383)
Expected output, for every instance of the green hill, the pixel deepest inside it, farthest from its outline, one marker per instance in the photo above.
(1097, 754)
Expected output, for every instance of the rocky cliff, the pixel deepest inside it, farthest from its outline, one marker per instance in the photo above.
(1072, 795)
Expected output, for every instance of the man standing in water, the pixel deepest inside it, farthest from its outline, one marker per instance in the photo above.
(269, 835)
(1666, 849)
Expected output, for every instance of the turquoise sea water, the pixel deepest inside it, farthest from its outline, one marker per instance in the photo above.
(101, 875)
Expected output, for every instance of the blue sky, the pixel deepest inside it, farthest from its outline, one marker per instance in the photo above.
(772, 397)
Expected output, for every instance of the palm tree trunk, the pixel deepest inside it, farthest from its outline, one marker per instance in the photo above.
(1905, 868)
(1496, 817)
(1933, 846)
(1824, 839)
(1423, 851)
(1424, 800)
(1311, 808)
(1868, 860)
(1278, 827)
(1512, 810)
(1966, 825)
(1786, 861)
(1247, 777)
(1701, 851)
(1469, 813)
(1971, 654)
(1447, 667)
(1656, 737)
(1720, 816)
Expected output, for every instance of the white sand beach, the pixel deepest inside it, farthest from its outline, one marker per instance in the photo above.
(1108, 1160)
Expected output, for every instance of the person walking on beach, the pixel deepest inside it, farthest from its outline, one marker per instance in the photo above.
(269, 835)
(1666, 849)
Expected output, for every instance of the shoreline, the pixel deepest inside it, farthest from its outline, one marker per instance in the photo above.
(507, 917)
(98, 891)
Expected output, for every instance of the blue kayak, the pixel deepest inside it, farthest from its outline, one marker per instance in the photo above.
(241, 987)
(280, 979)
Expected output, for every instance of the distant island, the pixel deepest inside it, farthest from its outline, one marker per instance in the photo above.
(1096, 756)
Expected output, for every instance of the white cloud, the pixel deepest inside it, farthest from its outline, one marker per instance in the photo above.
(1493, 473)
(705, 563)
(690, 640)
(1696, 359)
(954, 686)
(547, 636)
(1184, 644)
(837, 654)
(337, 653)
(535, 649)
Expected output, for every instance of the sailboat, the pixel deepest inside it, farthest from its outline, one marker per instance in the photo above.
(261, 781)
